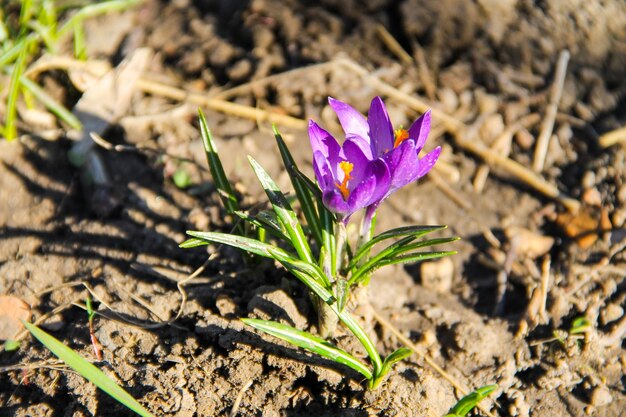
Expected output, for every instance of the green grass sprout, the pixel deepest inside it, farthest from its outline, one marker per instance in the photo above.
(471, 400)
(87, 370)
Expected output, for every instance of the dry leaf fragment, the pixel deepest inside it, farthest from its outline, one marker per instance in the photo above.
(12, 311)
(527, 243)
(582, 226)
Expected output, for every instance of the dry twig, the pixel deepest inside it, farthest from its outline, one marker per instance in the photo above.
(543, 140)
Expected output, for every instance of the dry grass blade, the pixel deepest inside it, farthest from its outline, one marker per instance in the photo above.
(613, 137)
(216, 104)
(543, 140)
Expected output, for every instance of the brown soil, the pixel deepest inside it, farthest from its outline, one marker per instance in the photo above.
(489, 63)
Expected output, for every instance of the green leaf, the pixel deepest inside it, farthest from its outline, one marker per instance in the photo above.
(11, 345)
(87, 370)
(392, 359)
(284, 212)
(181, 178)
(415, 231)
(356, 275)
(314, 277)
(217, 169)
(471, 400)
(343, 291)
(414, 257)
(10, 119)
(302, 192)
(244, 243)
(309, 342)
(580, 325)
(261, 223)
(55, 107)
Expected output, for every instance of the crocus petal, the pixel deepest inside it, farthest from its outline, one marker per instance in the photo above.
(379, 170)
(363, 144)
(381, 130)
(352, 122)
(403, 164)
(324, 142)
(362, 195)
(324, 173)
(419, 130)
(334, 201)
(428, 161)
(354, 154)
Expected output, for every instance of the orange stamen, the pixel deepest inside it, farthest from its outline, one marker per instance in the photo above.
(401, 135)
(346, 167)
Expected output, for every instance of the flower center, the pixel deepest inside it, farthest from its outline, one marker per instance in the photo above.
(401, 136)
(346, 167)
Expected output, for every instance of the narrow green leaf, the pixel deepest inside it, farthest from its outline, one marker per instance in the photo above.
(321, 284)
(415, 231)
(471, 400)
(309, 342)
(87, 370)
(343, 291)
(328, 238)
(249, 245)
(261, 223)
(357, 274)
(580, 325)
(93, 10)
(11, 345)
(284, 212)
(395, 357)
(193, 243)
(14, 89)
(52, 105)
(302, 192)
(80, 50)
(215, 166)
(414, 257)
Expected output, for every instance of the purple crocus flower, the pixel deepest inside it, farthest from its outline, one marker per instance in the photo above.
(376, 138)
(350, 180)
(374, 160)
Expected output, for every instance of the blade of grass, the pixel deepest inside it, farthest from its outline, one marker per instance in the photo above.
(52, 105)
(467, 403)
(284, 212)
(309, 342)
(94, 10)
(217, 170)
(302, 192)
(414, 257)
(80, 50)
(415, 231)
(87, 370)
(14, 89)
(250, 245)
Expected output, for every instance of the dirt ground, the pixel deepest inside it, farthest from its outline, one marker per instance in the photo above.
(529, 263)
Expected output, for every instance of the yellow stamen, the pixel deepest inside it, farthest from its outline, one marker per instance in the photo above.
(401, 135)
(346, 167)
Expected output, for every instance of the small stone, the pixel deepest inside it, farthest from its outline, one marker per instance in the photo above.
(438, 275)
(528, 243)
(592, 197)
(600, 396)
(611, 313)
(621, 194)
(240, 70)
(225, 305)
(618, 218)
(589, 179)
(524, 139)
